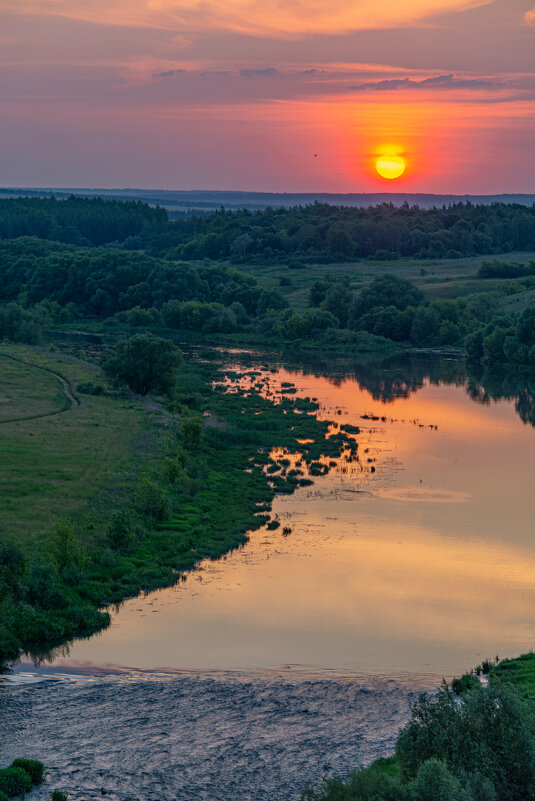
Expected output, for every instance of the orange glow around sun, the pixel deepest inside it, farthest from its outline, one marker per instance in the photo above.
(390, 166)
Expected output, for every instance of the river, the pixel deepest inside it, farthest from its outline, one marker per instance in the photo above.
(417, 558)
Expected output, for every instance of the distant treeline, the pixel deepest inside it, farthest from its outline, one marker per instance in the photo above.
(315, 233)
(79, 221)
(323, 233)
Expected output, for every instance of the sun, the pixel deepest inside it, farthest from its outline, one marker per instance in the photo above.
(391, 167)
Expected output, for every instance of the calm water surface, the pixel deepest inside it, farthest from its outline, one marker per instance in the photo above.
(426, 563)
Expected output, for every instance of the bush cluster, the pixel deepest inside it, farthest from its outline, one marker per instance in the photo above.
(20, 777)
(479, 746)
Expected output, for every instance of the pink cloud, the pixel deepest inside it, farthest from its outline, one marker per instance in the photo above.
(298, 18)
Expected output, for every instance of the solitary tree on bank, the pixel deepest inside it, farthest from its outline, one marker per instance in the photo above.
(144, 363)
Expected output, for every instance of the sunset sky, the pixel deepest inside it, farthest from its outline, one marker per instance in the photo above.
(268, 95)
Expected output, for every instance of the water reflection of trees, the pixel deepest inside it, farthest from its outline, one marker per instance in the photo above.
(401, 376)
(484, 386)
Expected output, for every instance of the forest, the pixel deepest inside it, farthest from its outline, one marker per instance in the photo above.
(316, 233)
(124, 286)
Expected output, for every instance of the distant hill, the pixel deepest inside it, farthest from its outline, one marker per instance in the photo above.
(176, 202)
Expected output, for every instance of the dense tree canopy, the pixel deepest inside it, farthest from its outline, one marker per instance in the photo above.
(100, 282)
(318, 232)
(78, 220)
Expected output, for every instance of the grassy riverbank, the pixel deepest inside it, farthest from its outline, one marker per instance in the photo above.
(143, 492)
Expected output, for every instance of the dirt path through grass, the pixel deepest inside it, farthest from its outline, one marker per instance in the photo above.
(70, 399)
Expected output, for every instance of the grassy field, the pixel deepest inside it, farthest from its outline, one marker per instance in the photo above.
(26, 392)
(57, 444)
(439, 278)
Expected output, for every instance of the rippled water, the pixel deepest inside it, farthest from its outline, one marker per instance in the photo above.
(418, 557)
(203, 737)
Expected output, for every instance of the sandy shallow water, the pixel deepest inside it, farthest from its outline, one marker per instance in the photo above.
(200, 737)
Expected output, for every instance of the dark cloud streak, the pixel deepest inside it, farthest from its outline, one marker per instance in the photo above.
(437, 82)
(168, 73)
(266, 72)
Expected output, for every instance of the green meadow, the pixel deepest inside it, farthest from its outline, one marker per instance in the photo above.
(438, 279)
(57, 444)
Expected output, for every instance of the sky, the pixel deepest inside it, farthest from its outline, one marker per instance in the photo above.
(268, 95)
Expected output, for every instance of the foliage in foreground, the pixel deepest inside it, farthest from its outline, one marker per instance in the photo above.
(476, 747)
(20, 777)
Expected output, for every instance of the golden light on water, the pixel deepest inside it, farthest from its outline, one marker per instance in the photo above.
(390, 166)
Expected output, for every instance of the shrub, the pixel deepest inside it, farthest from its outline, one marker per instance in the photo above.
(57, 795)
(192, 429)
(121, 531)
(88, 388)
(368, 784)
(3, 797)
(464, 683)
(151, 500)
(435, 782)
(34, 768)
(172, 469)
(15, 781)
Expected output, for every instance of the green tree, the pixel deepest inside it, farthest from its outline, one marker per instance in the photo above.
(61, 547)
(435, 782)
(488, 732)
(385, 290)
(12, 568)
(151, 500)
(121, 531)
(138, 316)
(144, 363)
(337, 300)
(387, 321)
(425, 326)
(192, 429)
(493, 352)
(270, 299)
